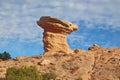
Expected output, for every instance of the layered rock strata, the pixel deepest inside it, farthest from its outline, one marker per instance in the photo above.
(54, 35)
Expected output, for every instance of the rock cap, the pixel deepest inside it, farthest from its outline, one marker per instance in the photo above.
(56, 25)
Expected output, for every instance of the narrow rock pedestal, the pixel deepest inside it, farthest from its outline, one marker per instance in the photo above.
(54, 35)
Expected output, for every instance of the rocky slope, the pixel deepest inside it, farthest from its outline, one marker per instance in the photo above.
(97, 63)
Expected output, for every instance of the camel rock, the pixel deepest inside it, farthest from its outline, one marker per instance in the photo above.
(54, 35)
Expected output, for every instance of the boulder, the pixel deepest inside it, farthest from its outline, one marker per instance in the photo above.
(94, 47)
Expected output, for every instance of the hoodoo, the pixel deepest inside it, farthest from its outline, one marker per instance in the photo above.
(54, 35)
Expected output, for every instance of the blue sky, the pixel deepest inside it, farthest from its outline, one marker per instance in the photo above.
(98, 22)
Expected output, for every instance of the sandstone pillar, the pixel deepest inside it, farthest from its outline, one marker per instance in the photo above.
(54, 35)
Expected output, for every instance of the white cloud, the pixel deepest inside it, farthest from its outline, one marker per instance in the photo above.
(18, 18)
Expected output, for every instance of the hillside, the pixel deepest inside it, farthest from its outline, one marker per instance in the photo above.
(95, 64)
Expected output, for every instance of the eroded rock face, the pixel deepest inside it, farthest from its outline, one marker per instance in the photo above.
(107, 64)
(54, 35)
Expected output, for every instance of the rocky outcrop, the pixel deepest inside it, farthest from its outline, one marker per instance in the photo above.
(94, 47)
(54, 35)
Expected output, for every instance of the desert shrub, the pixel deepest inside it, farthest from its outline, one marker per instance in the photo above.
(79, 78)
(24, 73)
(48, 76)
(5, 56)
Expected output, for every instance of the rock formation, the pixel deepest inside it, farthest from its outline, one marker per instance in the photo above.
(54, 35)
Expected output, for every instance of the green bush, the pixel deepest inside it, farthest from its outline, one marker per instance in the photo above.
(48, 76)
(24, 73)
(28, 73)
(79, 78)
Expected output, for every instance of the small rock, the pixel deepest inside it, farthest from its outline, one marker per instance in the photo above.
(44, 62)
